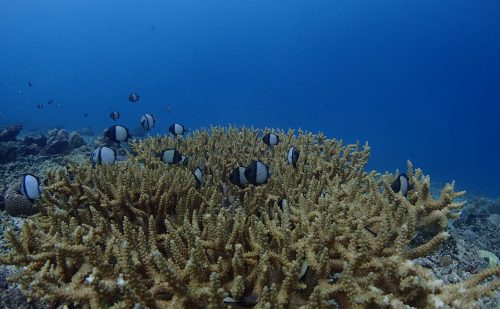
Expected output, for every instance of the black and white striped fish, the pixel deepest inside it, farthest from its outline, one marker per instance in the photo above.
(148, 122)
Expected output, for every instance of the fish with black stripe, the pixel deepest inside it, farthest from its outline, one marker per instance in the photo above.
(103, 155)
(31, 187)
(118, 133)
(148, 122)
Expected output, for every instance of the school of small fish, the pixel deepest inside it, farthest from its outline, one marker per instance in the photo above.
(255, 173)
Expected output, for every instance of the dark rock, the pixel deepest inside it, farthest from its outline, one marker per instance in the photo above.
(25, 150)
(10, 133)
(8, 152)
(75, 140)
(57, 142)
(38, 139)
(11, 151)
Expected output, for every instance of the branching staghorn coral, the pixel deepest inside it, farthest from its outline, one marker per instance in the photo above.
(141, 234)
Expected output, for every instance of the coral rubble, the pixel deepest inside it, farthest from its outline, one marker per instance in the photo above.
(143, 234)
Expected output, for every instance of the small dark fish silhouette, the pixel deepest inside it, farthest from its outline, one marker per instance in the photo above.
(50, 101)
(114, 115)
(85, 115)
(39, 106)
(168, 109)
(30, 83)
(133, 97)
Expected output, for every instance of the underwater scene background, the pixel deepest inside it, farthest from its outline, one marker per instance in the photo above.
(416, 79)
(90, 218)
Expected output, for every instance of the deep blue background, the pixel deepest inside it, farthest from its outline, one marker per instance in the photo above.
(417, 79)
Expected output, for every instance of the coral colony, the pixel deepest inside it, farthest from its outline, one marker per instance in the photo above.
(319, 233)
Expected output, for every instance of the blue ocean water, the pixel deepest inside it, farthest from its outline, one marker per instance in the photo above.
(418, 80)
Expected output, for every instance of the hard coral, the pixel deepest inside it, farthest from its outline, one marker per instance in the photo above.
(57, 142)
(141, 234)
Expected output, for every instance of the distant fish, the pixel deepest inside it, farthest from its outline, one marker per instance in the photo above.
(147, 122)
(133, 97)
(19, 92)
(176, 129)
(282, 202)
(31, 187)
(39, 105)
(168, 109)
(50, 101)
(171, 156)
(257, 173)
(103, 155)
(114, 115)
(271, 139)
(401, 184)
(85, 115)
(293, 156)
(30, 83)
(237, 177)
(198, 173)
(198, 176)
(118, 133)
(58, 104)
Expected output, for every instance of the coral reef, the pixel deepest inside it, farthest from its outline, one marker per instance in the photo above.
(56, 142)
(143, 234)
(9, 133)
(75, 140)
(480, 207)
(10, 295)
(459, 258)
(38, 139)
(8, 152)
